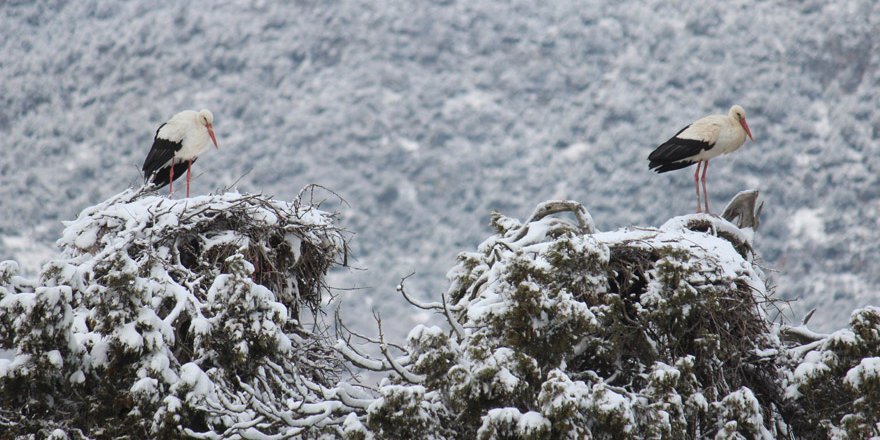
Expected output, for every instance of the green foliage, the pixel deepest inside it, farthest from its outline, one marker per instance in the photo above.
(434, 353)
(836, 380)
(510, 424)
(407, 412)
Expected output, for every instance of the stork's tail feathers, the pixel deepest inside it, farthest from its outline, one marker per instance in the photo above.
(662, 167)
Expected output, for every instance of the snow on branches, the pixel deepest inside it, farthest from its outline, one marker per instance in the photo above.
(169, 318)
(557, 330)
(835, 378)
(166, 317)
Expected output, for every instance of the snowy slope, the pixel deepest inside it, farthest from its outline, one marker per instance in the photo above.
(425, 116)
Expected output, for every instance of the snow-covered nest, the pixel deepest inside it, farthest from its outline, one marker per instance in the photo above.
(165, 316)
(290, 246)
(688, 287)
(558, 330)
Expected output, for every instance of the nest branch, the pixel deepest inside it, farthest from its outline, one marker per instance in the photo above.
(742, 206)
(585, 220)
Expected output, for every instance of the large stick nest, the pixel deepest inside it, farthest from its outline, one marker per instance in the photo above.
(291, 246)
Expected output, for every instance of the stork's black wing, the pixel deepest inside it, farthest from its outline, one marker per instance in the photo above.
(160, 156)
(162, 177)
(673, 154)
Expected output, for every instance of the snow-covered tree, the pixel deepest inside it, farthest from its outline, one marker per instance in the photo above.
(168, 317)
(202, 318)
(835, 378)
(559, 331)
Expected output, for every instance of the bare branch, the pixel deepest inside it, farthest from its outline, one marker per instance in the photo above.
(802, 334)
(459, 331)
(585, 220)
(424, 306)
(742, 206)
(807, 317)
(399, 369)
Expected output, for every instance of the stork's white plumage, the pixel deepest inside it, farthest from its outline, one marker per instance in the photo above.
(704, 139)
(178, 143)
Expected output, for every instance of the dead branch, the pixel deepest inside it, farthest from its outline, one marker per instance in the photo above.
(435, 306)
(585, 220)
(742, 206)
(802, 334)
(405, 374)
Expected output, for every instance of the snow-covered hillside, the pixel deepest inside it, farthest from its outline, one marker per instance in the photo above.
(427, 115)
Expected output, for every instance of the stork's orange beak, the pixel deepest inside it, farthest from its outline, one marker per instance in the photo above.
(742, 121)
(211, 133)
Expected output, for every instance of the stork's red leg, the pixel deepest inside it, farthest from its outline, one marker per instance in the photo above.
(705, 192)
(171, 178)
(697, 184)
(188, 171)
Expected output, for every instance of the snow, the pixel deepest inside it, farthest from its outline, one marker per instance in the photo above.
(100, 353)
(129, 337)
(699, 401)
(147, 385)
(421, 332)
(814, 363)
(86, 239)
(408, 145)
(809, 224)
(193, 377)
(664, 373)
(532, 422)
(352, 425)
(200, 326)
(610, 402)
(339, 95)
(744, 409)
(867, 370)
(77, 377)
(136, 269)
(526, 424)
(54, 358)
(58, 434)
(577, 150)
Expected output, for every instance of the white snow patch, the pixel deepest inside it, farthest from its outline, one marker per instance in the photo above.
(823, 123)
(86, 239)
(576, 151)
(129, 337)
(532, 422)
(867, 369)
(408, 144)
(58, 434)
(527, 424)
(54, 358)
(147, 385)
(468, 102)
(196, 379)
(77, 377)
(808, 223)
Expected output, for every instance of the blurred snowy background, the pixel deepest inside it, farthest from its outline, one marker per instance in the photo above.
(426, 116)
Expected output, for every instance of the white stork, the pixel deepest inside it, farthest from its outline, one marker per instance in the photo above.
(704, 139)
(178, 143)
